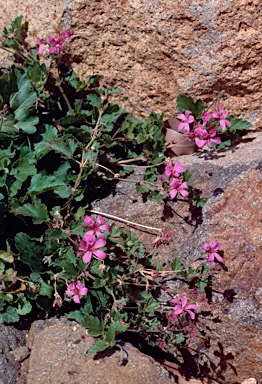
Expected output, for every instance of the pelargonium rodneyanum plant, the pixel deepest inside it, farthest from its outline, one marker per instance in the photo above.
(211, 130)
(63, 146)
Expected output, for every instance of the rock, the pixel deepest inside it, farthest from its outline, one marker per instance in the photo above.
(10, 341)
(156, 50)
(231, 180)
(232, 216)
(249, 381)
(58, 355)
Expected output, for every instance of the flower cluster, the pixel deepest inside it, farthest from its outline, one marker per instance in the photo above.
(55, 45)
(204, 131)
(93, 239)
(173, 172)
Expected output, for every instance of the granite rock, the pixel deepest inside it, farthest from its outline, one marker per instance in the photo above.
(11, 342)
(58, 355)
(156, 50)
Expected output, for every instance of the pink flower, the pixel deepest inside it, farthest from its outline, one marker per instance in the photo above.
(90, 245)
(211, 248)
(183, 307)
(5, 107)
(187, 119)
(174, 171)
(207, 137)
(178, 186)
(62, 38)
(96, 227)
(206, 117)
(220, 115)
(57, 48)
(76, 290)
(56, 44)
(41, 48)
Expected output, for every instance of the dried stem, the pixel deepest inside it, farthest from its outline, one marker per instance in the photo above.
(125, 221)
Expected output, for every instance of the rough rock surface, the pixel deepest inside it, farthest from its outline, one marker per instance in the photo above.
(12, 351)
(66, 361)
(155, 50)
(232, 323)
(232, 181)
(233, 218)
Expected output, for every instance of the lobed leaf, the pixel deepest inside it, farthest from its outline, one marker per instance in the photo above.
(184, 103)
(36, 210)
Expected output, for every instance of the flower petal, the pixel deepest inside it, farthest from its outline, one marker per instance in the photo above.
(184, 301)
(99, 254)
(76, 299)
(101, 242)
(87, 257)
(191, 314)
(178, 309)
(173, 193)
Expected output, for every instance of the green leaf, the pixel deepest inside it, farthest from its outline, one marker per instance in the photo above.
(151, 305)
(46, 289)
(37, 73)
(95, 328)
(222, 145)
(6, 257)
(202, 285)
(75, 315)
(42, 183)
(10, 316)
(184, 103)
(24, 307)
(41, 148)
(155, 196)
(6, 296)
(113, 330)
(23, 100)
(27, 125)
(188, 177)
(65, 148)
(238, 124)
(94, 100)
(141, 188)
(16, 30)
(179, 339)
(31, 252)
(176, 264)
(99, 346)
(2, 303)
(74, 81)
(37, 210)
(21, 170)
(2, 268)
(35, 277)
(9, 125)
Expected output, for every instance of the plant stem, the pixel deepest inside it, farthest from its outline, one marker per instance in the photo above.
(65, 97)
(83, 163)
(125, 221)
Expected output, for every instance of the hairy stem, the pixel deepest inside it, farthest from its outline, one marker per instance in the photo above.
(83, 164)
